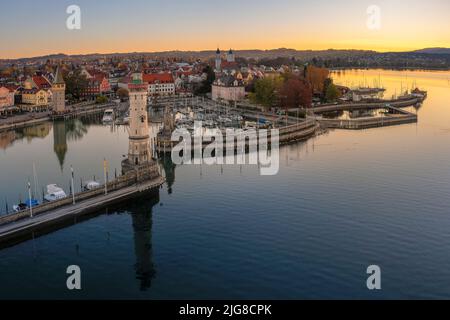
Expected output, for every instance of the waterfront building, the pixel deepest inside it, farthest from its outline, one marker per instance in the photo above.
(367, 94)
(6, 99)
(59, 93)
(40, 82)
(228, 88)
(160, 84)
(33, 98)
(98, 83)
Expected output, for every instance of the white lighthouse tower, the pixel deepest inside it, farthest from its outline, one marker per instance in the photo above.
(139, 152)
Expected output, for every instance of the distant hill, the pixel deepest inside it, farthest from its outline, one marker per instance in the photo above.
(256, 54)
(434, 51)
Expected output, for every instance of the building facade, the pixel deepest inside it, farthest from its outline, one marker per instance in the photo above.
(6, 99)
(33, 99)
(160, 84)
(228, 88)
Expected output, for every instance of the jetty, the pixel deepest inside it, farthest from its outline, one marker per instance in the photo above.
(395, 114)
(123, 188)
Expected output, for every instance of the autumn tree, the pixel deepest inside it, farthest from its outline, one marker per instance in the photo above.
(316, 77)
(122, 93)
(295, 93)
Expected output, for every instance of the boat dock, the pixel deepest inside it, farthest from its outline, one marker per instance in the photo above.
(17, 225)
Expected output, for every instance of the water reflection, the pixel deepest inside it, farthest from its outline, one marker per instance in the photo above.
(70, 130)
(60, 141)
(141, 215)
(40, 131)
(169, 170)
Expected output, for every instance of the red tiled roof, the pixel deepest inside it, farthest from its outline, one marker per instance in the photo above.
(158, 77)
(10, 87)
(229, 65)
(41, 82)
(184, 73)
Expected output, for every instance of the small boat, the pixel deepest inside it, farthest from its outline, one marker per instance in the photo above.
(54, 193)
(122, 121)
(108, 116)
(91, 185)
(24, 206)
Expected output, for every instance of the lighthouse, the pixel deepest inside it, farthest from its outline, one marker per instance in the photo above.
(139, 147)
(139, 162)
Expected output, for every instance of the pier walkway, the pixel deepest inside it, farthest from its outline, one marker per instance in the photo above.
(16, 228)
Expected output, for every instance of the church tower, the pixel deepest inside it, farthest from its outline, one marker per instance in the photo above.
(218, 61)
(230, 56)
(139, 147)
(59, 93)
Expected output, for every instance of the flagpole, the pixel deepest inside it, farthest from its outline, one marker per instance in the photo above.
(104, 174)
(73, 188)
(29, 195)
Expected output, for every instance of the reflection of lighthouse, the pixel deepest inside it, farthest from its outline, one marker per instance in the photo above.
(142, 227)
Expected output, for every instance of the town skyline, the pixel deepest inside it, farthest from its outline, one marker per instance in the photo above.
(199, 24)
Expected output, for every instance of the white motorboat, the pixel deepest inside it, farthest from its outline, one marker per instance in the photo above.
(91, 185)
(108, 116)
(54, 193)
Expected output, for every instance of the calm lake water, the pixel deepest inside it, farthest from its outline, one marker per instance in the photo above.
(341, 202)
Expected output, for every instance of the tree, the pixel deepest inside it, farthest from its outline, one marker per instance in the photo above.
(122, 93)
(206, 85)
(266, 90)
(295, 93)
(101, 99)
(76, 84)
(332, 93)
(316, 77)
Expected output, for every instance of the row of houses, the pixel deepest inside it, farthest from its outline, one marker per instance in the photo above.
(33, 95)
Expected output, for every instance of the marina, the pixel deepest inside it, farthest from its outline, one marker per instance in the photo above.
(327, 188)
(182, 114)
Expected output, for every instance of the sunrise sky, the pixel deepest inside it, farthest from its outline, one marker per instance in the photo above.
(31, 28)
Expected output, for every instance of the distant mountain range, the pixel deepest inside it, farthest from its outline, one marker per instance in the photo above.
(257, 54)
(430, 58)
(434, 51)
